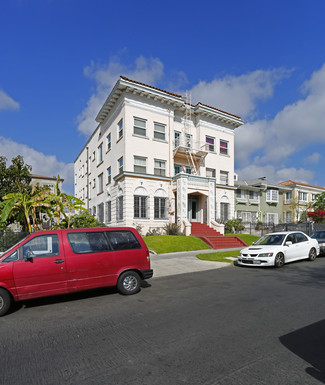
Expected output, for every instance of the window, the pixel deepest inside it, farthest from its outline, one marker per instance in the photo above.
(42, 246)
(159, 131)
(177, 169)
(224, 211)
(253, 196)
(140, 206)
(123, 240)
(139, 127)
(210, 173)
(288, 197)
(313, 197)
(188, 140)
(303, 196)
(177, 139)
(224, 177)
(223, 147)
(94, 156)
(100, 184)
(209, 143)
(272, 195)
(120, 165)
(101, 212)
(120, 129)
(160, 167)
(288, 216)
(109, 175)
(140, 164)
(272, 218)
(109, 142)
(188, 170)
(119, 208)
(94, 211)
(108, 211)
(88, 242)
(240, 194)
(100, 153)
(247, 216)
(160, 204)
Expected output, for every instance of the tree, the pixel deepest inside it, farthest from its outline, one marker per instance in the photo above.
(16, 177)
(84, 220)
(63, 205)
(319, 202)
(25, 203)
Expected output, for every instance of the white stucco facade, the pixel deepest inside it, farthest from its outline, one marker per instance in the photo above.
(155, 159)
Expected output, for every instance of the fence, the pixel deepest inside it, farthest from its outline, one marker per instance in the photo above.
(9, 239)
(264, 228)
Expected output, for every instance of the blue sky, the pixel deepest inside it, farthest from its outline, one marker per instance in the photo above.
(262, 60)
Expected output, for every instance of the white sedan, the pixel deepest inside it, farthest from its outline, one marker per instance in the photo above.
(276, 249)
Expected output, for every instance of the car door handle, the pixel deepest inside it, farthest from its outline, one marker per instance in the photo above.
(59, 261)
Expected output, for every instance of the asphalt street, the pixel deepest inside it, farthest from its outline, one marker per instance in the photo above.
(230, 325)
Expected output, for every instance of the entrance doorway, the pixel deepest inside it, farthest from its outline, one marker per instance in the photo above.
(193, 208)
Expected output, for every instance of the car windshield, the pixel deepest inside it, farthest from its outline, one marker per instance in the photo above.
(318, 235)
(270, 239)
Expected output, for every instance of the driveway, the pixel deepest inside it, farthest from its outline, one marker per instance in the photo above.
(183, 262)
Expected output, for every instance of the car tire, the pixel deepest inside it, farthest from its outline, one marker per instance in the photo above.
(279, 260)
(5, 302)
(129, 283)
(312, 254)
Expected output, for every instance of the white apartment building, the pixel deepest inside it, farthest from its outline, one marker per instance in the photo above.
(155, 159)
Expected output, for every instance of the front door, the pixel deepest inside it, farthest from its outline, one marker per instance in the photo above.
(193, 208)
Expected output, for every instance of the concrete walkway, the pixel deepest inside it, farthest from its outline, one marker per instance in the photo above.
(184, 262)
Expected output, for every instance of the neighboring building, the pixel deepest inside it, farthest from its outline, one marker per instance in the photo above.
(258, 200)
(46, 181)
(155, 159)
(298, 200)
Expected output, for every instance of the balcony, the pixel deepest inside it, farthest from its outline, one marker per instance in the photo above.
(183, 148)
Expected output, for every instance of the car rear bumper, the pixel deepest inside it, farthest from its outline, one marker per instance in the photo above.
(146, 274)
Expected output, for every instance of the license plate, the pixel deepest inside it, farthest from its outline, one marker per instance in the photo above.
(257, 262)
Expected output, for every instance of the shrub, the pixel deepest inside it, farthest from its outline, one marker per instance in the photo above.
(234, 226)
(172, 229)
(152, 232)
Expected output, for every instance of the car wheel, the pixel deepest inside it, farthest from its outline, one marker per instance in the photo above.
(129, 283)
(279, 260)
(312, 255)
(5, 301)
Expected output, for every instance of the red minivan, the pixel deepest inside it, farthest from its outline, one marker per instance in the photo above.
(65, 261)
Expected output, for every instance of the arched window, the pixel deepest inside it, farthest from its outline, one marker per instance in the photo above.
(119, 205)
(160, 204)
(224, 208)
(140, 203)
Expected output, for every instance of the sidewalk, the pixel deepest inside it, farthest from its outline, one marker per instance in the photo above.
(184, 262)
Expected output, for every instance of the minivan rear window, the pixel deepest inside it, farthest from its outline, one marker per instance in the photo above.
(123, 240)
(88, 242)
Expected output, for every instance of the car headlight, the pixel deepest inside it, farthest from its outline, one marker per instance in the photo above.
(265, 255)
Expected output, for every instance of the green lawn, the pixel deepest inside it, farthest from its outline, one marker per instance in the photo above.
(248, 238)
(172, 243)
(219, 256)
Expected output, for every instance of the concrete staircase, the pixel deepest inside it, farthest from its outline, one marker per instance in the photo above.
(214, 238)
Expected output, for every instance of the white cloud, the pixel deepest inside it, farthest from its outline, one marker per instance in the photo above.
(295, 127)
(45, 165)
(275, 174)
(313, 158)
(145, 70)
(239, 94)
(7, 103)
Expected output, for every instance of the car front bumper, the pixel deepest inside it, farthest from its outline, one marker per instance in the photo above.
(250, 261)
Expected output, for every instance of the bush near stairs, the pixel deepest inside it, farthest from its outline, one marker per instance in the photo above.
(213, 238)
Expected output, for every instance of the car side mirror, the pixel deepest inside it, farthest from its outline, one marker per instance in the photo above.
(288, 243)
(28, 256)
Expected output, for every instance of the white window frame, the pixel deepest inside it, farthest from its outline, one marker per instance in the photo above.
(159, 131)
(209, 146)
(272, 195)
(109, 142)
(100, 184)
(211, 171)
(288, 197)
(255, 198)
(140, 164)
(241, 195)
(223, 150)
(109, 175)
(137, 128)
(120, 129)
(224, 178)
(275, 220)
(100, 153)
(302, 195)
(160, 167)
(120, 165)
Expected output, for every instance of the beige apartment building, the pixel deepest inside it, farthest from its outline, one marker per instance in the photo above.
(154, 159)
(299, 199)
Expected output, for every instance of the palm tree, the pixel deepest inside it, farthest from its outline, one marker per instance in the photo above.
(26, 203)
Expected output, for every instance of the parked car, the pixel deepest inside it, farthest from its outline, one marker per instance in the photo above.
(64, 261)
(320, 237)
(276, 249)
